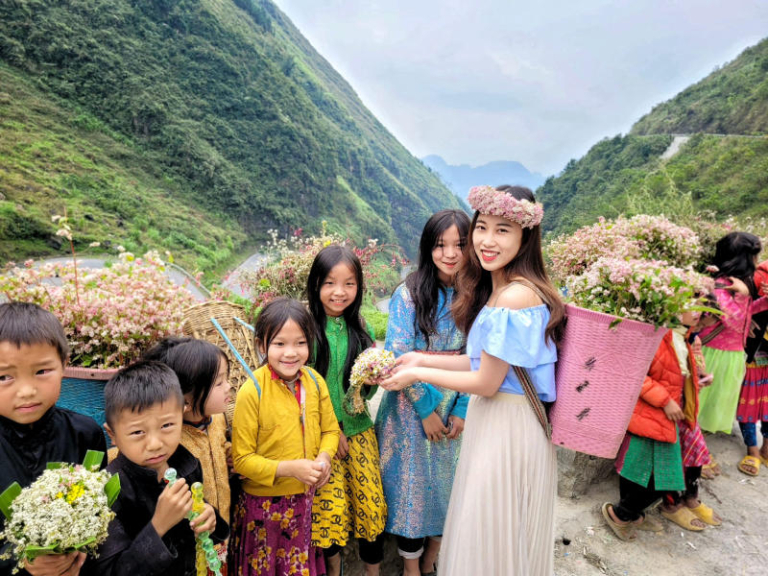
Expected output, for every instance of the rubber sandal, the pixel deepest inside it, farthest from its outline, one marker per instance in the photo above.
(650, 524)
(706, 514)
(625, 532)
(707, 473)
(752, 461)
(713, 468)
(683, 517)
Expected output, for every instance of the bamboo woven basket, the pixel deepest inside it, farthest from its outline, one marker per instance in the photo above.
(231, 319)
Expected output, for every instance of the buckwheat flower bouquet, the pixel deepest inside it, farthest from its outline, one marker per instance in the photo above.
(67, 509)
(371, 365)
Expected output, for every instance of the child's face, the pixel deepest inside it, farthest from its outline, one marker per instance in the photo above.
(218, 397)
(447, 254)
(288, 351)
(30, 380)
(338, 290)
(150, 437)
(690, 318)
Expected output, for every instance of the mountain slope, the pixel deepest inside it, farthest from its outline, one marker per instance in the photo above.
(226, 100)
(462, 177)
(731, 100)
(723, 168)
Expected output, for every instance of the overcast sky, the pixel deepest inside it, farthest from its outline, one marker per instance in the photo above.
(537, 81)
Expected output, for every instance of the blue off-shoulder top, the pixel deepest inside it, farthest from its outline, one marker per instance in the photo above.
(517, 337)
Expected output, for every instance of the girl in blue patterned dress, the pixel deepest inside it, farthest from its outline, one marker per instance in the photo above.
(419, 428)
(501, 516)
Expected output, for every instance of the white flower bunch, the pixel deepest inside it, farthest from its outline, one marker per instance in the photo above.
(65, 509)
(371, 365)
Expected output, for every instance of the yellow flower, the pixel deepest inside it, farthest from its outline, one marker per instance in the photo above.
(280, 553)
(266, 504)
(250, 526)
(275, 517)
(295, 533)
(262, 533)
(284, 523)
(303, 557)
(75, 493)
(60, 495)
(305, 572)
(289, 513)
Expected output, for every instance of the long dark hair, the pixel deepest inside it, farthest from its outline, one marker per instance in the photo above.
(735, 256)
(423, 284)
(474, 285)
(358, 338)
(195, 362)
(273, 317)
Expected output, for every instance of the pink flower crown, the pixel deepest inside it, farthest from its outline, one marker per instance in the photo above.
(488, 200)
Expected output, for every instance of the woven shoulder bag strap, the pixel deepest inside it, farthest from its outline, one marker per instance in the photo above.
(525, 378)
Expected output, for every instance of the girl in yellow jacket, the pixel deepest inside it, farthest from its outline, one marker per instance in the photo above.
(284, 435)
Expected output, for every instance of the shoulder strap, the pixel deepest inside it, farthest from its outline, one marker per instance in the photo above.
(533, 399)
(312, 375)
(714, 334)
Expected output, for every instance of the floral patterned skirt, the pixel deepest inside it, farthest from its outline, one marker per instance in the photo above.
(272, 535)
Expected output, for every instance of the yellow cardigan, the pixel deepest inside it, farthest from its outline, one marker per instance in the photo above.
(267, 430)
(210, 447)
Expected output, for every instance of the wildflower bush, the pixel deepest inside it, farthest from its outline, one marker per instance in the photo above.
(110, 315)
(649, 291)
(640, 237)
(64, 510)
(293, 257)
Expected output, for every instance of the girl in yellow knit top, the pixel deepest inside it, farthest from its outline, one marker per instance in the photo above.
(203, 372)
(284, 434)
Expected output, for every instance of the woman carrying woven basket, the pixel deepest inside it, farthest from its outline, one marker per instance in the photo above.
(501, 515)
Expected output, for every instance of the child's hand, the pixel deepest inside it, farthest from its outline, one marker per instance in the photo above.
(325, 460)
(206, 522)
(343, 448)
(434, 427)
(56, 564)
(738, 286)
(673, 412)
(306, 471)
(705, 380)
(172, 506)
(456, 427)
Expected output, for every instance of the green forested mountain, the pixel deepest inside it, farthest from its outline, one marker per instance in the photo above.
(731, 100)
(723, 167)
(193, 125)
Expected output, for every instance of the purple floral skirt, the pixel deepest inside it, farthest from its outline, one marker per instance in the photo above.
(272, 536)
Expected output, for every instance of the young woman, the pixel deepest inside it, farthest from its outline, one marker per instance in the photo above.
(501, 515)
(419, 428)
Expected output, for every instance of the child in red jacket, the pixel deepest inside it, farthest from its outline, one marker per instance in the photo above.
(650, 462)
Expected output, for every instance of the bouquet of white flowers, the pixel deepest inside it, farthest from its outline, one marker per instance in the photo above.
(372, 364)
(68, 508)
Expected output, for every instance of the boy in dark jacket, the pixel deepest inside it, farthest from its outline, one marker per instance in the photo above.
(150, 534)
(33, 431)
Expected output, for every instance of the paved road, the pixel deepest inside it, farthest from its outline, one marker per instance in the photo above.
(232, 280)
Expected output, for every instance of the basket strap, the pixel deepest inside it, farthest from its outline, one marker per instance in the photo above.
(240, 359)
(312, 374)
(714, 334)
(251, 328)
(533, 399)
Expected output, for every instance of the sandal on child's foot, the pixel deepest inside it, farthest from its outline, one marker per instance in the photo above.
(749, 465)
(684, 518)
(706, 514)
(649, 524)
(624, 532)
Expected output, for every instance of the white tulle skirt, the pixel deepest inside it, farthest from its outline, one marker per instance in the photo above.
(502, 511)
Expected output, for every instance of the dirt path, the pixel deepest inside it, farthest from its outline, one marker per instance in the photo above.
(736, 548)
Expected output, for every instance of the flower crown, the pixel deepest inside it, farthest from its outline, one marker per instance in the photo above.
(488, 200)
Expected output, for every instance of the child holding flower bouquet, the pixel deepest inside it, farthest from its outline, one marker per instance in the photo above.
(353, 500)
(33, 431)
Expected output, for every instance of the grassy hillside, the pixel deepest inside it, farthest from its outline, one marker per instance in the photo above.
(727, 175)
(220, 107)
(731, 100)
(56, 159)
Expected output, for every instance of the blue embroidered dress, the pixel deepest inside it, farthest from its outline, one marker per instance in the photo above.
(417, 474)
